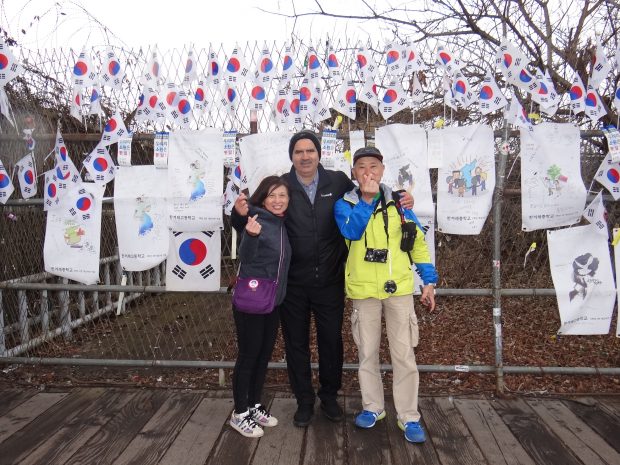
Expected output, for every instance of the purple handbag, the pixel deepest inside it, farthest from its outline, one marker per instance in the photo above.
(257, 295)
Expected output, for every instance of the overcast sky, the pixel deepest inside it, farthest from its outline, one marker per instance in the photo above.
(170, 24)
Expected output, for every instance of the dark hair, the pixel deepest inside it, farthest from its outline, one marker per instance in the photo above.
(265, 188)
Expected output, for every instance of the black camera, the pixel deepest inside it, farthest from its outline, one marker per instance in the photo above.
(389, 287)
(407, 240)
(376, 255)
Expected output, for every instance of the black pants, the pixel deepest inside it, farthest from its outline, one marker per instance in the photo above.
(256, 336)
(327, 306)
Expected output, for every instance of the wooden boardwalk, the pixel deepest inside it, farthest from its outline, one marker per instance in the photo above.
(134, 426)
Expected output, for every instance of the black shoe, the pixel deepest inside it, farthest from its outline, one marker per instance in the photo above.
(332, 410)
(303, 415)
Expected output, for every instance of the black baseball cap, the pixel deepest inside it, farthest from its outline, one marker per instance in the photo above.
(367, 152)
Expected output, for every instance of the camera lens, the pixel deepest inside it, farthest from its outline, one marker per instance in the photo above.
(389, 287)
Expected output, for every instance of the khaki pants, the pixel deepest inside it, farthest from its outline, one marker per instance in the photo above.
(402, 332)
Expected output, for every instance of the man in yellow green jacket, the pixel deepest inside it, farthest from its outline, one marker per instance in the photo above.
(379, 279)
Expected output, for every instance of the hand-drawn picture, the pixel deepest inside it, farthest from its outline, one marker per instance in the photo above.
(554, 180)
(405, 179)
(195, 179)
(73, 234)
(584, 267)
(469, 177)
(143, 206)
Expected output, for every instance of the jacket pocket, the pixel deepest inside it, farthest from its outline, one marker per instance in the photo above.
(414, 329)
(355, 326)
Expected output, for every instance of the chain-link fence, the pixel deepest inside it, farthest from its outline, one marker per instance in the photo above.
(45, 317)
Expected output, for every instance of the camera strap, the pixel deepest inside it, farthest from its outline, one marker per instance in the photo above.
(401, 213)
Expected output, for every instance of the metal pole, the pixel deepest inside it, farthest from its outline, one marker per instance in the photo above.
(586, 371)
(2, 338)
(24, 326)
(498, 196)
(65, 314)
(45, 316)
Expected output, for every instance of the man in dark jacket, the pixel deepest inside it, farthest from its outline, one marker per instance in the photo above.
(316, 276)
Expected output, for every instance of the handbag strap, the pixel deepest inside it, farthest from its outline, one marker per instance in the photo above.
(281, 251)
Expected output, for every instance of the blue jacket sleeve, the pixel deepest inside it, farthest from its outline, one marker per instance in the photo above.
(420, 253)
(352, 219)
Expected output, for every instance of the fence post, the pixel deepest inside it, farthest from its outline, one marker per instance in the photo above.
(82, 304)
(65, 314)
(2, 339)
(24, 326)
(498, 198)
(45, 312)
(106, 281)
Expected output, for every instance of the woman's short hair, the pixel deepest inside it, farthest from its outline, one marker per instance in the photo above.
(265, 188)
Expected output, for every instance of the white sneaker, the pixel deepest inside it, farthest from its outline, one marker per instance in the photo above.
(262, 416)
(245, 424)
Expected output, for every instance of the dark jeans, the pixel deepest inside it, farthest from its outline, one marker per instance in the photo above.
(327, 306)
(256, 336)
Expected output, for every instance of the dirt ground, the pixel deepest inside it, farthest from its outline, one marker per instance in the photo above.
(459, 332)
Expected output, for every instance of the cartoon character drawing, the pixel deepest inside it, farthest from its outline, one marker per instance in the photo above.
(405, 179)
(481, 177)
(73, 234)
(583, 266)
(466, 171)
(456, 182)
(475, 182)
(554, 179)
(146, 222)
(196, 177)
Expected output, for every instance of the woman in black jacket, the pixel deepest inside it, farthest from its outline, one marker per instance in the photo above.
(265, 252)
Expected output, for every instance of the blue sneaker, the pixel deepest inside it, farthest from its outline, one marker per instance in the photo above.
(413, 431)
(367, 419)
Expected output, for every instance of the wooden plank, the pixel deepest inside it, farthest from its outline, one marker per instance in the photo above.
(535, 437)
(73, 435)
(451, 438)
(113, 437)
(232, 448)
(585, 443)
(282, 444)
(497, 443)
(324, 441)
(365, 446)
(611, 405)
(607, 426)
(27, 411)
(404, 452)
(149, 446)
(20, 444)
(193, 444)
(11, 398)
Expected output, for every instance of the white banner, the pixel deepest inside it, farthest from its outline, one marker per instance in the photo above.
(553, 193)
(583, 279)
(193, 261)
(466, 179)
(403, 147)
(141, 216)
(195, 183)
(73, 235)
(264, 155)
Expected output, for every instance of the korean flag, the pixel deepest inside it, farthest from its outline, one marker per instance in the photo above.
(194, 261)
